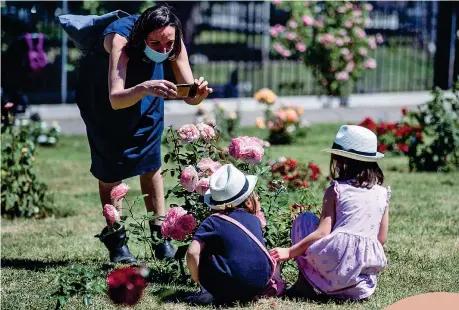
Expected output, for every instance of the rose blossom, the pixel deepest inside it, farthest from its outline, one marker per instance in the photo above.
(206, 132)
(125, 285)
(8, 105)
(363, 52)
(119, 191)
(307, 20)
(360, 32)
(300, 47)
(273, 32)
(339, 42)
(208, 166)
(290, 36)
(286, 53)
(345, 51)
(370, 63)
(177, 224)
(292, 24)
(372, 42)
(188, 133)
(348, 24)
(342, 76)
(111, 214)
(248, 149)
(350, 66)
(202, 186)
(379, 38)
(189, 178)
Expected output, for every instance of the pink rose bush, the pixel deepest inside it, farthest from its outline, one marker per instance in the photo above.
(207, 166)
(332, 40)
(206, 132)
(178, 224)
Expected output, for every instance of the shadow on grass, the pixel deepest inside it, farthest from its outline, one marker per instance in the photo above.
(29, 264)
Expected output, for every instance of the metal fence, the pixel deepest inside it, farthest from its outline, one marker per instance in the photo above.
(229, 45)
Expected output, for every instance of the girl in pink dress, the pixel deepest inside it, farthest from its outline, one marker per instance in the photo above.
(341, 253)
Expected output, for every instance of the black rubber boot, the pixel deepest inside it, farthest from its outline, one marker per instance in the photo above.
(163, 248)
(115, 241)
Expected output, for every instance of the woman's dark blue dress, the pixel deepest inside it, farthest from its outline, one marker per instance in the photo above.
(124, 142)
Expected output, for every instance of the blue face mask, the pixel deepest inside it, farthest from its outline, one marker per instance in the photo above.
(154, 55)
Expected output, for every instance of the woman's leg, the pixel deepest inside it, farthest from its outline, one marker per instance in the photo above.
(152, 184)
(104, 193)
(114, 237)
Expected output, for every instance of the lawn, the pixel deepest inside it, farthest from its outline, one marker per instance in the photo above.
(422, 248)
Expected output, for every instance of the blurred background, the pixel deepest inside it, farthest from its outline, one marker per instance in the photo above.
(229, 44)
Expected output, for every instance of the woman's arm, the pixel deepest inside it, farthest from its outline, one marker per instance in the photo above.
(384, 227)
(120, 97)
(183, 75)
(192, 259)
(327, 220)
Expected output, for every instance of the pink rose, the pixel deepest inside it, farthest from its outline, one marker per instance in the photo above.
(350, 66)
(273, 32)
(368, 7)
(349, 57)
(208, 166)
(379, 38)
(360, 32)
(202, 186)
(363, 52)
(307, 20)
(319, 24)
(292, 24)
(342, 32)
(280, 114)
(342, 76)
(339, 42)
(348, 24)
(370, 64)
(189, 178)
(111, 214)
(279, 48)
(286, 53)
(248, 149)
(277, 2)
(177, 224)
(346, 39)
(300, 47)
(290, 36)
(119, 191)
(372, 42)
(8, 105)
(188, 133)
(279, 28)
(357, 13)
(207, 132)
(327, 39)
(345, 51)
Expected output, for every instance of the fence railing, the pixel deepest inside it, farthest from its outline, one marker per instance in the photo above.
(230, 46)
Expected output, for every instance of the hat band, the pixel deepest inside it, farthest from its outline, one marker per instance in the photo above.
(337, 146)
(238, 195)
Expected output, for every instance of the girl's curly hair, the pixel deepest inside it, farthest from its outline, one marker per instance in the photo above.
(151, 19)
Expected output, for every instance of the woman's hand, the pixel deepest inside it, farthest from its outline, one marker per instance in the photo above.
(202, 91)
(161, 88)
(280, 254)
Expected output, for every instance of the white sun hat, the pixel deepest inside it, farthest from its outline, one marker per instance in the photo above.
(356, 142)
(228, 185)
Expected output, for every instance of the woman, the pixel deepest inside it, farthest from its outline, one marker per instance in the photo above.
(125, 117)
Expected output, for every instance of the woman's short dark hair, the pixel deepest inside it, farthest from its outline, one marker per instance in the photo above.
(151, 19)
(361, 173)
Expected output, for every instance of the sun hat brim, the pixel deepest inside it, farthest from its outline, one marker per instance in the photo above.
(355, 156)
(251, 179)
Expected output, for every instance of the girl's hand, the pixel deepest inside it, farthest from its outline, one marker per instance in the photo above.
(202, 90)
(280, 254)
(161, 88)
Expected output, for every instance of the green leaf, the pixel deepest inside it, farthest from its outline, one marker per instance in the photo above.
(166, 158)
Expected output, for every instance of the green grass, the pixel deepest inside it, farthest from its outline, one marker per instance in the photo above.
(422, 247)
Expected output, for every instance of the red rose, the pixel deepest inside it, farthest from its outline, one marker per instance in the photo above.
(382, 148)
(126, 285)
(403, 147)
(404, 111)
(368, 123)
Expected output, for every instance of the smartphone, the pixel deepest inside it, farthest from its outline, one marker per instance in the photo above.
(186, 90)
